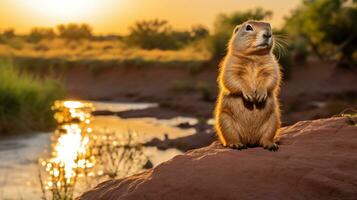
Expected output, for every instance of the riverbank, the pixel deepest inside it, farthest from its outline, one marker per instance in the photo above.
(315, 90)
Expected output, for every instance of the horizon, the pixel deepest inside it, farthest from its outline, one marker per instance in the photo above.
(115, 17)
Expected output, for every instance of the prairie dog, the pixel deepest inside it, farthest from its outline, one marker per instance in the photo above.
(247, 109)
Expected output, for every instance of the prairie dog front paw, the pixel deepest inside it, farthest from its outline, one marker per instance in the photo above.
(249, 96)
(261, 95)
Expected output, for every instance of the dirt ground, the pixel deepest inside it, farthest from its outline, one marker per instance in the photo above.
(315, 90)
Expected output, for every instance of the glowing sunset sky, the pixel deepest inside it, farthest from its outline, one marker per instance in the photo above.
(115, 16)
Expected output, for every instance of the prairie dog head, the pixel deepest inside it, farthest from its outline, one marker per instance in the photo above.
(252, 37)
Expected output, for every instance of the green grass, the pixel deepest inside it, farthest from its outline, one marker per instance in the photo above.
(25, 100)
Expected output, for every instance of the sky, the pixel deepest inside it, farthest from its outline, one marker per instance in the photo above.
(115, 16)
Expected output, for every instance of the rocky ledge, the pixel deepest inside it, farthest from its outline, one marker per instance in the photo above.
(316, 160)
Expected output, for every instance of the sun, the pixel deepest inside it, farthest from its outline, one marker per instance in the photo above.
(64, 10)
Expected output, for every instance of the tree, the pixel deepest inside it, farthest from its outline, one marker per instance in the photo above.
(37, 34)
(75, 31)
(198, 32)
(158, 34)
(225, 24)
(152, 34)
(328, 28)
(9, 33)
(180, 38)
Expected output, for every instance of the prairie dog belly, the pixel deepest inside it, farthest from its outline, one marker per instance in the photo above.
(249, 117)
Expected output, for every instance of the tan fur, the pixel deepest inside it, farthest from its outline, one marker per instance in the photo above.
(247, 110)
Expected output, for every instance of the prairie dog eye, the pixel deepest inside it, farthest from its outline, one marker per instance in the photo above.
(249, 28)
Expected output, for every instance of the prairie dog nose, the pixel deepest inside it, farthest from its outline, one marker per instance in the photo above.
(267, 35)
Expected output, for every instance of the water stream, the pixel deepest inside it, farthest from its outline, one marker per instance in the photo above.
(83, 150)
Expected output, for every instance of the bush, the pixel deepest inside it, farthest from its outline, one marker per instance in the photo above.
(75, 31)
(299, 50)
(327, 26)
(15, 42)
(199, 32)
(158, 34)
(152, 34)
(37, 34)
(286, 62)
(25, 100)
(9, 33)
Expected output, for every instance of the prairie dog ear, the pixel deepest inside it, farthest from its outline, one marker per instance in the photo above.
(236, 29)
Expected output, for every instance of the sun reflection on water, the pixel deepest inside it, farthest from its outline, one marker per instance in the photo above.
(77, 151)
(73, 111)
(70, 154)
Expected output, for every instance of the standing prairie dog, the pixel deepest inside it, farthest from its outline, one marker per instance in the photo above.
(247, 110)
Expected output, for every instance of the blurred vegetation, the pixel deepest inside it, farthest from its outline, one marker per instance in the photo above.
(317, 28)
(74, 31)
(158, 34)
(9, 33)
(327, 27)
(60, 54)
(25, 100)
(38, 34)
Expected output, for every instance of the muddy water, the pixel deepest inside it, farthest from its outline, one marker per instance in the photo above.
(19, 158)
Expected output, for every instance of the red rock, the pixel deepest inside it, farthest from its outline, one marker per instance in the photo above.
(316, 160)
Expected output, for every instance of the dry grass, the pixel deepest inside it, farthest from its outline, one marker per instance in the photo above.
(97, 50)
